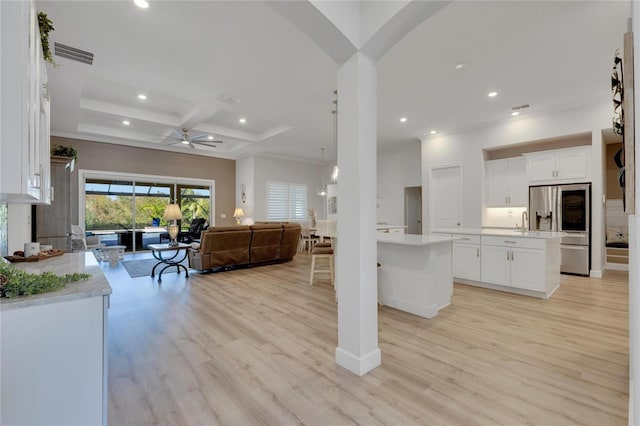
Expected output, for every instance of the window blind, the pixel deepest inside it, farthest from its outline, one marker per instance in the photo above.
(286, 201)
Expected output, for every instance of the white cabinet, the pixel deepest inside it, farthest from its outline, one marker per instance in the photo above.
(528, 269)
(506, 182)
(568, 165)
(511, 263)
(466, 258)
(24, 107)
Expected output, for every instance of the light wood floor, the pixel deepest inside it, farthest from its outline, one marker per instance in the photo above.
(256, 346)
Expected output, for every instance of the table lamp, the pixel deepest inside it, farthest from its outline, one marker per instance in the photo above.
(238, 214)
(173, 213)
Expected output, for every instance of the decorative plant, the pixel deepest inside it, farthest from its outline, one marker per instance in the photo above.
(15, 282)
(64, 151)
(46, 26)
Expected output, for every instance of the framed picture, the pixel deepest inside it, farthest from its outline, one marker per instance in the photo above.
(332, 205)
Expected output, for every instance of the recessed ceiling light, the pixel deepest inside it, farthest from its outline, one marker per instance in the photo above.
(142, 4)
(433, 132)
(126, 122)
(460, 66)
(210, 137)
(515, 113)
(492, 94)
(403, 120)
(242, 121)
(142, 96)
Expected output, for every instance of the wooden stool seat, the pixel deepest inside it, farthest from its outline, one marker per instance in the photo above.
(321, 253)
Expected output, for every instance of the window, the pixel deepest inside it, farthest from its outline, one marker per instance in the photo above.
(286, 201)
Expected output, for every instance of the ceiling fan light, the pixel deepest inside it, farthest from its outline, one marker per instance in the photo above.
(184, 141)
(142, 4)
(322, 191)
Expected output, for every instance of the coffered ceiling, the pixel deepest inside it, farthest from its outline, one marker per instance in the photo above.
(204, 65)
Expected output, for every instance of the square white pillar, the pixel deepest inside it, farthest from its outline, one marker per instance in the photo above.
(356, 263)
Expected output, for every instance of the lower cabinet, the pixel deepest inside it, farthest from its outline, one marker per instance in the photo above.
(514, 267)
(466, 261)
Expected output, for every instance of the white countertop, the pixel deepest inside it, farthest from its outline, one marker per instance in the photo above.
(501, 232)
(414, 240)
(385, 226)
(69, 263)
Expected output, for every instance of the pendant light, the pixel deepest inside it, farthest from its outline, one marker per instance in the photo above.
(322, 191)
(334, 172)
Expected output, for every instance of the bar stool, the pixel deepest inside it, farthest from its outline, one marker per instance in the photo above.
(321, 251)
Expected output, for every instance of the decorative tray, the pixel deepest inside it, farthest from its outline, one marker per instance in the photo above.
(48, 254)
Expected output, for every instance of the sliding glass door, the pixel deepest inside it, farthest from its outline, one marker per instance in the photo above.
(129, 212)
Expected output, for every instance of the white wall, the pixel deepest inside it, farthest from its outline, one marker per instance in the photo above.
(245, 176)
(19, 229)
(398, 167)
(267, 169)
(467, 149)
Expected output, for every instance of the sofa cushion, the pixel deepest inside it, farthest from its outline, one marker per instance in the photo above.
(265, 242)
(228, 228)
(226, 247)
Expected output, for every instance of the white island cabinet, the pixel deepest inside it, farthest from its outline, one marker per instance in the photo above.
(53, 352)
(415, 272)
(519, 262)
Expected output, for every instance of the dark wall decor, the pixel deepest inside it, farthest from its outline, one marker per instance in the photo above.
(617, 89)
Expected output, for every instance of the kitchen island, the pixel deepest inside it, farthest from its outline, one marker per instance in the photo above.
(54, 349)
(415, 272)
(516, 261)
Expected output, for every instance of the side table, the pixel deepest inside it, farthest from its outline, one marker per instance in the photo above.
(173, 260)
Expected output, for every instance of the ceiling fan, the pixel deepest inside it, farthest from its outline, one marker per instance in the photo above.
(183, 137)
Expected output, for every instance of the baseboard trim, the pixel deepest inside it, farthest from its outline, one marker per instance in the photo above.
(358, 365)
(596, 273)
(617, 266)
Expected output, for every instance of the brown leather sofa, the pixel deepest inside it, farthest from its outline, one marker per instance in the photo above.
(224, 247)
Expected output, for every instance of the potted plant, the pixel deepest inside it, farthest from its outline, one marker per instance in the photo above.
(66, 151)
(46, 26)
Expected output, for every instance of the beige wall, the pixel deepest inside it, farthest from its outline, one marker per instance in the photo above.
(613, 189)
(126, 159)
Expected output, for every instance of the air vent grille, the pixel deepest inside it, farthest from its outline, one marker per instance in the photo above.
(516, 108)
(72, 53)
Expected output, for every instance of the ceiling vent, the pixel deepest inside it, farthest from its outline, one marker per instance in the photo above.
(519, 107)
(72, 53)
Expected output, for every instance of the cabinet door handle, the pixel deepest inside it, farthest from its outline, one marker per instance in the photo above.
(509, 242)
(507, 254)
(52, 193)
(511, 254)
(465, 239)
(505, 200)
(478, 252)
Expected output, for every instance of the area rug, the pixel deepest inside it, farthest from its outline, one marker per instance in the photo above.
(142, 267)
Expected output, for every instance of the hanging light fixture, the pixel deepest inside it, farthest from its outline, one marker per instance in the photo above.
(322, 191)
(334, 172)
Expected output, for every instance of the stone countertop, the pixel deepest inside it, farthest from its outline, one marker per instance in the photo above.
(69, 263)
(500, 232)
(385, 226)
(414, 240)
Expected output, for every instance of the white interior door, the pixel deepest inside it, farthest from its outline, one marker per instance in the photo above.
(445, 197)
(413, 209)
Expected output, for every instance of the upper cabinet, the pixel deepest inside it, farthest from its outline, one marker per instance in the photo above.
(506, 182)
(568, 165)
(24, 107)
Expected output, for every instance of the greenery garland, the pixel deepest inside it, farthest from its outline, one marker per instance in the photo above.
(64, 151)
(15, 282)
(46, 26)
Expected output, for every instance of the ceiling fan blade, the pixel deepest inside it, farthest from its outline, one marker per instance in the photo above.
(191, 145)
(210, 143)
(178, 134)
(201, 135)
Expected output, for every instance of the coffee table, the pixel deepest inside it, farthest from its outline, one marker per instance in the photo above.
(173, 260)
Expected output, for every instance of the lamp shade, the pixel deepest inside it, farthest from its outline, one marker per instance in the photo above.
(238, 212)
(172, 212)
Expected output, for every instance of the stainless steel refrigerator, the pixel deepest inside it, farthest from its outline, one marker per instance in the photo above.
(565, 208)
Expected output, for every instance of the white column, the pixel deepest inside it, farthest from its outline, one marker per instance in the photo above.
(356, 271)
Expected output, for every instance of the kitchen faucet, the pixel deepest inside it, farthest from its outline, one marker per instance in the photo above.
(525, 217)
